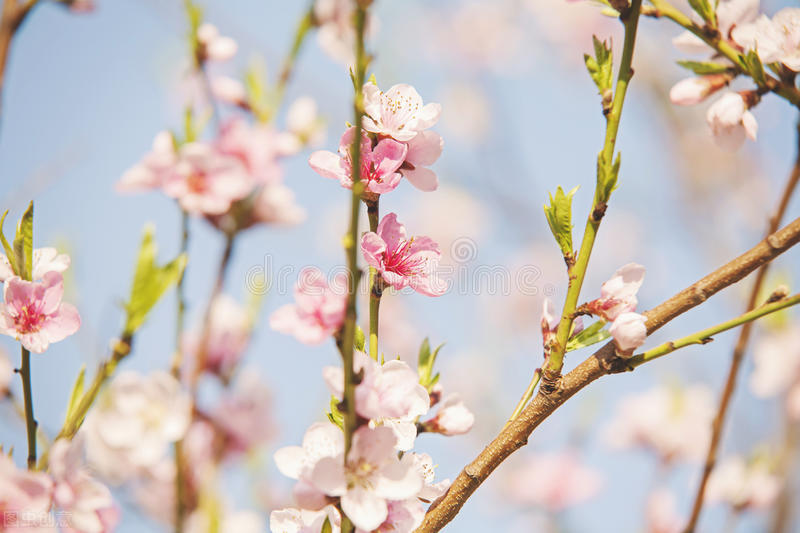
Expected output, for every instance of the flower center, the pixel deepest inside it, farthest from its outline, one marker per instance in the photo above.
(29, 319)
(401, 261)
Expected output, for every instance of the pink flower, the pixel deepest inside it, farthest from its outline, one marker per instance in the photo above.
(674, 423)
(423, 151)
(372, 477)
(743, 485)
(44, 260)
(692, 91)
(661, 513)
(34, 314)
(258, 147)
(206, 181)
(453, 417)
(229, 90)
(213, 46)
(244, 414)
(379, 164)
(618, 294)
(777, 363)
(335, 33)
(398, 113)
(403, 262)
(554, 481)
(388, 395)
(303, 121)
(424, 465)
(151, 172)
(297, 462)
(730, 121)
(25, 499)
(318, 311)
(6, 374)
(276, 204)
(291, 520)
(402, 517)
(629, 331)
(227, 337)
(776, 40)
(86, 501)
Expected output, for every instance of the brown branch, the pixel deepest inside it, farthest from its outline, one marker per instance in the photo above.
(602, 362)
(739, 350)
(11, 18)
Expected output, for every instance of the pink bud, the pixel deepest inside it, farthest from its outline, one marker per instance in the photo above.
(453, 417)
(692, 91)
(629, 332)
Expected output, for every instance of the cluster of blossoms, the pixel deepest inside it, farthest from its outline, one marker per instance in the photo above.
(776, 41)
(380, 484)
(33, 312)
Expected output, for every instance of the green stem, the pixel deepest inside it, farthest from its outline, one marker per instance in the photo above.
(526, 397)
(375, 283)
(577, 271)
(303, 27)
(704, 336)
(27, 395)
(712, 38)
(177, 358)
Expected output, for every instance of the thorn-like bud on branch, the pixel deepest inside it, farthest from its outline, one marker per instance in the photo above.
(780, 293)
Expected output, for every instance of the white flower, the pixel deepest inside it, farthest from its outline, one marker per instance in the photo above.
(731, 122)
(399, 112)
(214, 46)
(291, 520)
(44, 260)
(776, 40)
(743, 485)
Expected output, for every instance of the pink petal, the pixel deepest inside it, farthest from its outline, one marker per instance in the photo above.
(329, 477)
(328, 165)
(62, 324)
(422, 178)
(373, 248)
(425, 148)
(391, 231)
(366, 510)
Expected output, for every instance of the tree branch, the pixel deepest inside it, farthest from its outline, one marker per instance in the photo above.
(603, 362)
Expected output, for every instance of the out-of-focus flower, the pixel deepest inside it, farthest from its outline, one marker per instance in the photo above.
(80, 6)
(661, 513)
(318, 311)
(34, 314)
(303, 121)
(473, 119)
(206, 181)
(258, 147)
(674, 423)
(6, 373)
(402, 261)
(743, 485)
(388, 395)
(692, 91)
(154, 490)
(776, 40)
(453, 417)
(297, 462)
(134, 422)
(228, 332)
(618, 294)
(152, 170)
(86, 502)
(276, 204)
(229, 90)
(292, 520)
(335, 33)
(731, 14)
(379, 164)
(372, 476)
(731, 122)
(629, 331)
(554, 481)
(44, 260)
(777, 368)
(25, 499)
(213, 46)
(244, 414)
(225, 522)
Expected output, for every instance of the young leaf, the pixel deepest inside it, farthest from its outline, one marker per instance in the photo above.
(77, 392)
(754, 67)
(7, 246)
(425, 365)
(150, 281)
(335, 416)
(601, 66)
(705, 9)
(701, 68)
(326, 526)
(360, 341)
(23, 244)
(559, 218)
(591, 335)
(606, 178)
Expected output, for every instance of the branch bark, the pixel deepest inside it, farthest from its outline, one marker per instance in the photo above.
(11, 18)
(603, 362)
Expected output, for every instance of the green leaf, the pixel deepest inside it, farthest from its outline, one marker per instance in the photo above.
(326, 526)
(425, 364)
(591, 335)
(606, 178)
(705, 9)
(150, 281)
(335, 416)
(360, 341)
(702, 68)
(601, 66)
(559, 218)
(10, 255)
(77, 393)
(754, 67)
(256, 86)
(23, 245)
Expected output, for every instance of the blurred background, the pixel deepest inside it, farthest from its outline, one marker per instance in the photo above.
(85, 95)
